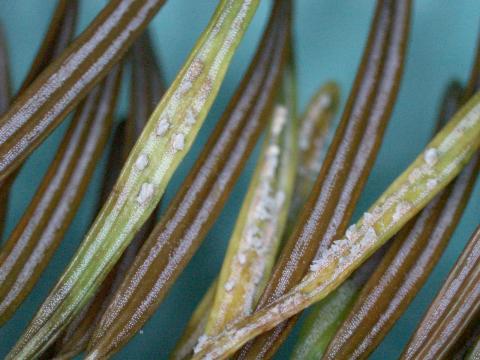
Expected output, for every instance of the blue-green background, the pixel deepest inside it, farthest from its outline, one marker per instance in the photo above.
(330, 35)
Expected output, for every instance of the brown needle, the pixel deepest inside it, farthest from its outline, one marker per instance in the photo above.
(146, 90)
(347, 164)
(68, 79)
(33, 241)
(199, 201)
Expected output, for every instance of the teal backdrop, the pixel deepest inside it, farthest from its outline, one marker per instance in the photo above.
(329, 39)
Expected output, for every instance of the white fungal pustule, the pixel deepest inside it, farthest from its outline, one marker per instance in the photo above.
(280, 198)
(145, 194)
(431, 156)
(350, 233)
(185, 85)
(400, 210)
(303, 140)
(178, 142)
(280, 115)
(271, 164)
(273, 150)
(262, 212)
(274, 165)
(229, 285)
(368, 218)
(242, 258)
(338, 250)
(162, 127)
(190, 117)
(310, 122)
(201, 341)
(338, 246)
(414, 175)
(318, 264)
(432, 183)
(355, 249)
(252, 233)
(142, 162)
(370, 236)
(324, 101)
